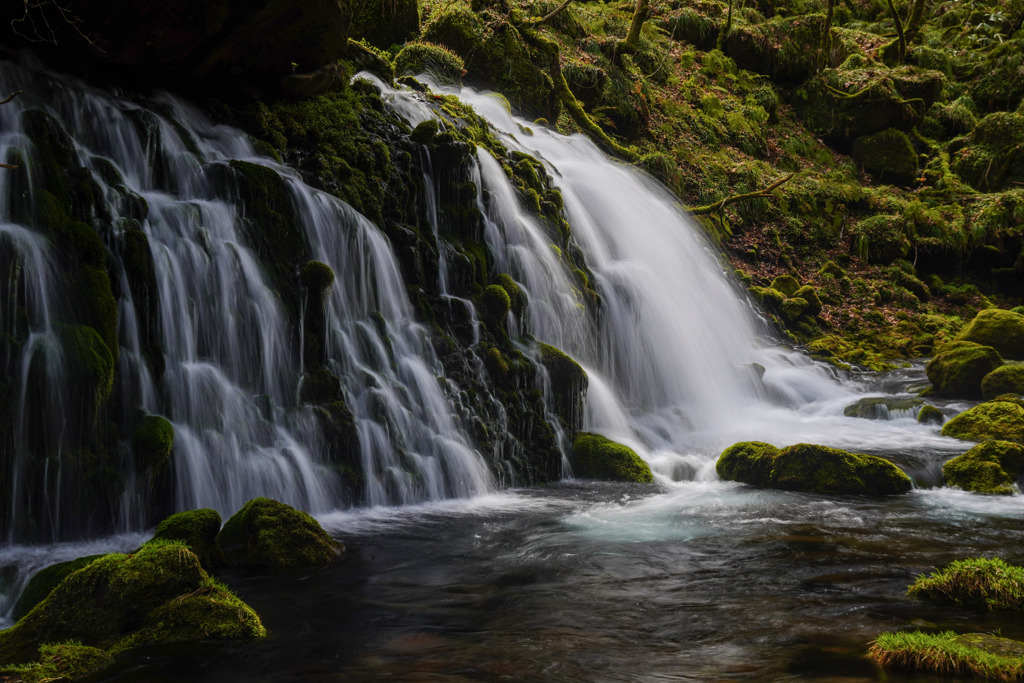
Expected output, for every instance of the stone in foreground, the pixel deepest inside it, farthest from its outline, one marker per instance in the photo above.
(597, 457)
(266, 533)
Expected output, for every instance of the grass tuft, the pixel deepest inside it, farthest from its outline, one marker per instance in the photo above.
(975, 582)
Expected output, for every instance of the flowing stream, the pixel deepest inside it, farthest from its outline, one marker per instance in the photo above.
(447, 577)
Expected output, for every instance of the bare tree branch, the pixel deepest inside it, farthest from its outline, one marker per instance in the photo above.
(10, 97)
(555, 12)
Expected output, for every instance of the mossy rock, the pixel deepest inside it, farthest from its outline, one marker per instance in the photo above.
(316, 276)
(996, 419)
(811, 468)
(90, 365)
(320, 386)
(438, 61)
(517, 297)
(326, 79)
(881, 407)
(881, 239)
(888, 156)
(495, 303)
(153, 443)
(787, 284)
(1001, 329)
(498, 57)
(810, 295)
(975, 655)
(587, 82)
(198, 530)
(160, 593)
(930, 415)
(990, 467)
(266, 533)
(793, 308)
(957, 370)
(384, 24)
(978, 583)
(991, 158)
(365, 57)
(568, 384)
(749, 462)
(784, 48)
(61, 662)
(44, 581)
(1008, 379)
(597, 457)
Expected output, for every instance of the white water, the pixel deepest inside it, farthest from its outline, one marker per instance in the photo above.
(669, 359)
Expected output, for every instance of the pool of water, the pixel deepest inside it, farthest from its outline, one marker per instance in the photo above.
(600, 582)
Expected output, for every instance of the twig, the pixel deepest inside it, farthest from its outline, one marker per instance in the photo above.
(10, 97)
(719, 206)
(555, 12)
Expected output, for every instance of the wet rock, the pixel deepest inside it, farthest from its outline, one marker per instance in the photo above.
(269, 534)
(597, 457)
(881, 407)
(930, 415)
(989, 467)
(1001, 329)
(198, 530)
(44, 581)
(959, 367)
(1000, 418)
(441, 63)
(160, 593)
(1008, 379)
(811, 468)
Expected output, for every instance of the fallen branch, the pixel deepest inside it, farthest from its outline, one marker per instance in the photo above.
(10, 97)
(555, 12)
(719, 206)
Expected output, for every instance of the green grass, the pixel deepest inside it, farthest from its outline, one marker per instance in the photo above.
(975, 582)
(975, 654)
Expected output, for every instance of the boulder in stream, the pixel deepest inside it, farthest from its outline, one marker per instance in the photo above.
(1008, 379)
(266, 533)
(1000, 418)
(597, 457)
(811, 468)
(1002, 330)
(882, 407)
(958, 368)
(990, 467)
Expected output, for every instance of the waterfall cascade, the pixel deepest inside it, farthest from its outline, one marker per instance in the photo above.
(155, 265)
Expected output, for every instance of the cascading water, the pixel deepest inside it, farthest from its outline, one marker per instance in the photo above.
(203, 332)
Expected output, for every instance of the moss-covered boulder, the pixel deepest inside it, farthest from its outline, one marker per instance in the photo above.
(989, 467)
(153, 443)
(882, 407)
(888, 156)
(880, 239)
(810, 295)
(930, 415)
(438, 61)
(160, 593)
(973, 655)
(497, 57)
(785, 47)
(793, 308)
(568, 384)
(1008, 379)
(811, 468)
(44, 581)
(787, 284)
(1000, 418)
(1001, 329)
(495, 303)
(597, 457)
(978, 583)
(266, 533)
(60, 662)
(198, 530)
(992, 156)
(958, 368)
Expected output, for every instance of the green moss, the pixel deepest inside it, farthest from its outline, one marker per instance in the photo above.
(320, 386)
(1008, 379)
(1001, 329)
(495, 303)
(152, 444)
(948, 654)
(749, 462)
(957, 370)
(316, 276)
(787, 284)
(597, 457)
(881, 239)
(810, 295)
(992, 158)
(930, 415)
(61, 662)
(517, 297)
(266, 533)
(366, 57)
(996, 419)
(812, 468)
(989, 467)
(568, 384)
(793, 308)
(44, 581)
(888, 156)
(385, 24)
(979, 583)
(198, 530)
(120, 601)
(436, 60)
(91, 367)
